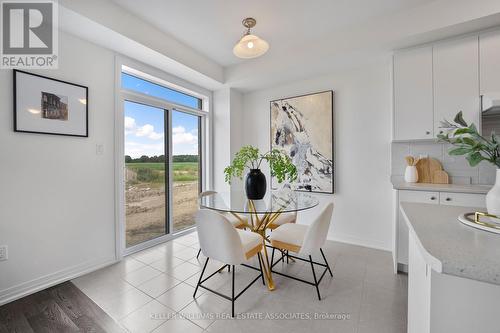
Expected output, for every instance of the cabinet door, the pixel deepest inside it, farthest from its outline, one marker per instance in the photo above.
(410, 196)
(489, 53)
(413, 114)
(456, 81)
(419, 291)
(462, 199)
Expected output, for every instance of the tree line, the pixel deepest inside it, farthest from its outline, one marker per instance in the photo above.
(161, 159)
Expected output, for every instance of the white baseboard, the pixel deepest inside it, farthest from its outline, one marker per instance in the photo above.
(374, 244)
(26, 288)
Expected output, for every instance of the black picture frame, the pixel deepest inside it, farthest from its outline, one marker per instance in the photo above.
(16, 72)
(332, 138)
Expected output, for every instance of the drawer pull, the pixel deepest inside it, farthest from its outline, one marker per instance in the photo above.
(427, 132)
(448, 199)
(433, 198)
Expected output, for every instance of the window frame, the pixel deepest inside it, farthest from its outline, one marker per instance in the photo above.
(204, 142)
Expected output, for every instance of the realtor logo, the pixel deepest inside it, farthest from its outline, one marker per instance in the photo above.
(29, 34)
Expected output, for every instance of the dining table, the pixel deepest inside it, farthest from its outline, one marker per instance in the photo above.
(258, 215)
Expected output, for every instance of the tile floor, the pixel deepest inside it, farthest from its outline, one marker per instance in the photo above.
(152, 291)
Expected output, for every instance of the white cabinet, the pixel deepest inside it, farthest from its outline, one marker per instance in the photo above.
(402, 233)
(434, 82)
(489, 62)
(413, 101)
(462, 199)
(456, 80)
(436, 198)
(419, 291)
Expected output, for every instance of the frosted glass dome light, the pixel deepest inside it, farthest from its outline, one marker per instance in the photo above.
(250, 46)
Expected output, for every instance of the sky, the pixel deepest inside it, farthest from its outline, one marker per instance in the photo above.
(145, 127)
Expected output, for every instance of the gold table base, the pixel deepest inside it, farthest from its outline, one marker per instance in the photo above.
(259, 224)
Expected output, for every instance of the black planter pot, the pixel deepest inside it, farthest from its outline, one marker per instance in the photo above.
(255, 184)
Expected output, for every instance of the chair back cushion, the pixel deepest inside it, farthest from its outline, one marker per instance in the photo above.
(316, 234)
(219, 239)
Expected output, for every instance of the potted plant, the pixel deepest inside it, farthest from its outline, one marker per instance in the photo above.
(250, 158)
(476, 148)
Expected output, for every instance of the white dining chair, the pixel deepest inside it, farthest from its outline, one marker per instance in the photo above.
(288, 217)
(303, 240)
(221, 241)
(237, 223)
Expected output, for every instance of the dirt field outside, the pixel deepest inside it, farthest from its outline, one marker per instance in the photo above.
(145, 200)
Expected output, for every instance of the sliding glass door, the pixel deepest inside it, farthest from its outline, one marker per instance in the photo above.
(146, 173)
(163, 131)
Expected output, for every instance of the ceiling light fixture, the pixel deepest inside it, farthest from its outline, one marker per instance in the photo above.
(250, 46)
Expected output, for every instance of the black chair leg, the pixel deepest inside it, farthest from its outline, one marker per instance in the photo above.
(272, 260)
(201, 276)
(260, 266)
(199, 251)
(232, 294)
(287, 261)
(326, 262)
(314, 275)
(229, 268)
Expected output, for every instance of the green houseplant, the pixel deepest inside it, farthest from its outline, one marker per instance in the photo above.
(467, 141)
(249, 157)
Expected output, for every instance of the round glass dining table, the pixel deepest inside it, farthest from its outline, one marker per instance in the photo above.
(261, 213)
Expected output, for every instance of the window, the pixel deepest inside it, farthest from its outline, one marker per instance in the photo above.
(149, 88)
(163, 159)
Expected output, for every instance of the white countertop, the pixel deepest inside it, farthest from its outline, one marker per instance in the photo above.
(451, 247)
(457, 188)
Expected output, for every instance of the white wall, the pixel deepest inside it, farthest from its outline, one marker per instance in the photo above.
(57, 195)
(221, 128)
(362, 117)
(237, 132)
(227, 133)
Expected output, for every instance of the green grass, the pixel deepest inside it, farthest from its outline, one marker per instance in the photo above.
(154, 173)
(185, 166)
(154, 166)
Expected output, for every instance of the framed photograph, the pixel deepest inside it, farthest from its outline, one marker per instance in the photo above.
(49, 106)
(302, 128)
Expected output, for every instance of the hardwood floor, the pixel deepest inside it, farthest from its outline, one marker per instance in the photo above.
(62, 308)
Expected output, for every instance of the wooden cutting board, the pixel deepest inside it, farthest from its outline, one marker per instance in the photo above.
(430, 170)
(440, 177)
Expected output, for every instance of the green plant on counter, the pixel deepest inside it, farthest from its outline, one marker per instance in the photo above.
(467, 141)
(249, 157)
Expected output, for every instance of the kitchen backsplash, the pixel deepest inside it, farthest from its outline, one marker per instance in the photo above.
(457, 166)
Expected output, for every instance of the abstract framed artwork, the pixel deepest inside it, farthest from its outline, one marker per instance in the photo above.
(302, 127)
(49, 106)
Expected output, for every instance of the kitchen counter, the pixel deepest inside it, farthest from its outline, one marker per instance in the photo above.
(450, 247)
(455, 188)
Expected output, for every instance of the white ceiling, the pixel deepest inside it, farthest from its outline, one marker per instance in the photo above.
(212, 27)
(307, 37)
